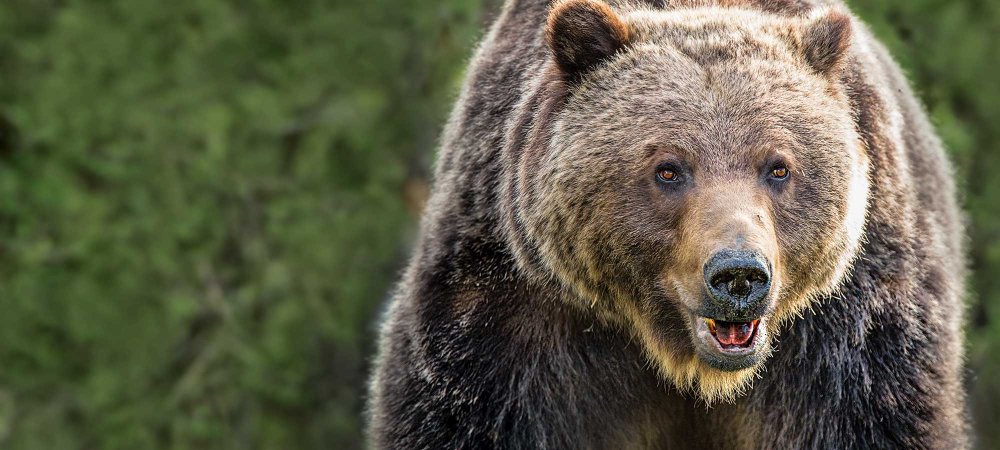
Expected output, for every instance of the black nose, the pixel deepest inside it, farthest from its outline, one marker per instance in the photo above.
(738, 282)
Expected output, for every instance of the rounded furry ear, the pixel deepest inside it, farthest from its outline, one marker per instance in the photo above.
(583, 33)
(825, 41)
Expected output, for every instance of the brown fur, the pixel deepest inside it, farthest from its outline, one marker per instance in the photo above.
(555, 283)
(583, 33)
(825, 42)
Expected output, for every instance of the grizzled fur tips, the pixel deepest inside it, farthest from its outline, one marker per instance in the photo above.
(680, 224)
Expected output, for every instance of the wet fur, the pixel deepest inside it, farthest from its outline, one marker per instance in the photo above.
(485, 347)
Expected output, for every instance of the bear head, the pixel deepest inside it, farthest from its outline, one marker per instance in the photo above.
(694, 175)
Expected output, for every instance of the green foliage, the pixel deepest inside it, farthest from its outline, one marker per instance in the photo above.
(203, 205)
(202, 210)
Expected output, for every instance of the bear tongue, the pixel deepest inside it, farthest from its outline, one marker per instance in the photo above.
(733, 333)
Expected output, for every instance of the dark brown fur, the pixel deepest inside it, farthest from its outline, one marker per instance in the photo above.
(544, 307)
(584, 33)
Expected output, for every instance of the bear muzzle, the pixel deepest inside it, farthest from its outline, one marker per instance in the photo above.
(737, 286)
(728, 327)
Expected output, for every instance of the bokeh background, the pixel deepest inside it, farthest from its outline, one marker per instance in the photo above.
(204, 205)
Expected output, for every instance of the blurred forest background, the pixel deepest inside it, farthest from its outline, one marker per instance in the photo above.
(204, 204)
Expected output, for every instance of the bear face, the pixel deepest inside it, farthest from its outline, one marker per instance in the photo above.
(694, 175)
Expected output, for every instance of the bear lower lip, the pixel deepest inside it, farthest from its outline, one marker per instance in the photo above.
(733, 334)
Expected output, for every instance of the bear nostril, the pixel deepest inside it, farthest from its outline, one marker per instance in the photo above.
(737, 283)
(740, 287)
(721, 280)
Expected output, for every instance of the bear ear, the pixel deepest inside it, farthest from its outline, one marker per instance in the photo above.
(825, 41)
(583, 33)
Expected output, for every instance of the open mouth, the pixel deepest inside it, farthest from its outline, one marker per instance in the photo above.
(730, 345)
(733, 335)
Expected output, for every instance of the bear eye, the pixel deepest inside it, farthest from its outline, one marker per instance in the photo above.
(667, 175)
(779, 173)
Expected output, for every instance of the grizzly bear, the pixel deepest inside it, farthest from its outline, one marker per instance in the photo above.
(680, 224)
